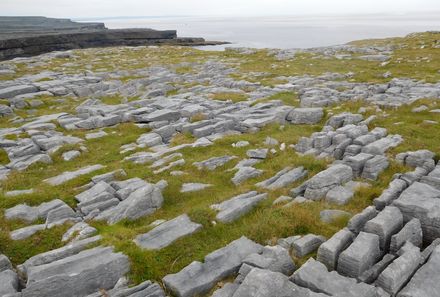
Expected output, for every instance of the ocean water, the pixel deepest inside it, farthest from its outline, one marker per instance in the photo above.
(286, 31)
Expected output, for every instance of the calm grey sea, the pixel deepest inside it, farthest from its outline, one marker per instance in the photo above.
(287, 31)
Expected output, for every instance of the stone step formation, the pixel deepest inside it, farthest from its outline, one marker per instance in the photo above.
(391, 248)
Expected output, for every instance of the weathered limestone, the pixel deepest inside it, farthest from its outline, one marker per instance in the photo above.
(273, 258)
(79, 231)
(194, 187)
(167, 232)
(257, 153)
(145, 289)
(411, 232)
(265, 283)
(283, 178)
(69, 175)
(26, 232)
(142, 202)
(315, 276)
(426, 281)
(387, 223)
(360, 255)
(339, 195)
(370, 276)
(396, 275)
(8, 282)
(198, 278)
(318, 186)
(58, 254)
(329, 251)
(245, 173)
(307, 244)
(77, 275)
(395, 188)
(213, 163)
(301, 116)
(421, 201)
(5, 264)
(380, 146)
(237, 206)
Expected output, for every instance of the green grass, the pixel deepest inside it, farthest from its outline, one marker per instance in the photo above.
(234, 97)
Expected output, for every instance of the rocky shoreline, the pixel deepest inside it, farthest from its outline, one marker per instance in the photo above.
(22, 36)
(154, 171)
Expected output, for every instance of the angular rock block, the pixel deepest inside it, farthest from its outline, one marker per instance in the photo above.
(142, 202)
(307, 244)
(283, 178)
(305, 116)
(363, 253)
(245, 173)
(426, 281)
(379, 147)
(329, 251)
(339, 195)
(145, 289)
(421, 201)
(369, 276)
(358, 221)
(232, 209)
(396, 275)
(77, 275)
(315, 276)
(198, 278)
(273, 258)
(387, 223)
(265, 283)
(411, 232)
(320, 184)
(69, 175)
(8, 282)
(5, 264)
(167, 232)
(395, 188)
(213, 163)
(58, 254)
(375, 166)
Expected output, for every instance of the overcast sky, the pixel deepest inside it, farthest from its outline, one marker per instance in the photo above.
(105, 8)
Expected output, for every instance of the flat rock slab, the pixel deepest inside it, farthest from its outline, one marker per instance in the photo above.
(77, 275)
(198, 278)
(318, 186)
(265, 283)
(194, 187)
(213, 163)
(421, 201)
(232, 209)
(283, 178)
(315, 276)
(167, 232)
(69, 175)
(426, 281)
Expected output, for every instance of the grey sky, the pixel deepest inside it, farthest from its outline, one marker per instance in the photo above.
(102, 8)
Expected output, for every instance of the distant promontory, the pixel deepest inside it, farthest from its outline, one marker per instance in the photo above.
(28, 36)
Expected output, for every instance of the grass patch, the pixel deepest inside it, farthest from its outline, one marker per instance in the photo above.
(234, 97)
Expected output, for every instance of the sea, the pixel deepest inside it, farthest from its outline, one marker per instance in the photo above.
(284, 31)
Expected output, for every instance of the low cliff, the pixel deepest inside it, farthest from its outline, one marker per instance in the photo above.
(28, 36)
